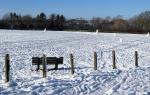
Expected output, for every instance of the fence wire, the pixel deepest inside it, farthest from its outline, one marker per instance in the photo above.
(21, 65)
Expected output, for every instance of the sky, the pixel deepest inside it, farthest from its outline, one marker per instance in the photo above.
(76, 8)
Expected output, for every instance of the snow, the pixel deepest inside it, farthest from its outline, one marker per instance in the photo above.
(125, 80)
(45, 30)
(147, 34)
(96, 31)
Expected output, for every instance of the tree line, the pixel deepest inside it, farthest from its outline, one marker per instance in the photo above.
(137, 24)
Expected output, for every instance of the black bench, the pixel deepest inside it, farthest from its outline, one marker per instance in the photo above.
(49, 61)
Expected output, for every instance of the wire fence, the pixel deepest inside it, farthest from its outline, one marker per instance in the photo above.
(99, 60)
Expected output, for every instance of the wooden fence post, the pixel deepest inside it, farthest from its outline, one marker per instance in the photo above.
(72, 64)
(95, 61)
(136, 58)
(7, 68)
(114, 59)
(44, 65)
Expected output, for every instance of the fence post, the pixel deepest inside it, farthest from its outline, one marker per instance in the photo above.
(95, 61)
(136, 58)
(44, 65)
(72, 64)
(7, 67)
(114, 59)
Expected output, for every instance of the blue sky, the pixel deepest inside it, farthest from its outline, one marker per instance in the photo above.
(76, 8)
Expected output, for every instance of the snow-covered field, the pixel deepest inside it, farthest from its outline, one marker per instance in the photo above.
(125, 80)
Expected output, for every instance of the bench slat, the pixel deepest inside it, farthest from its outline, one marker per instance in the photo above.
(50, 60)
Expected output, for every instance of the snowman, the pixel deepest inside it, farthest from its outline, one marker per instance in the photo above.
(45, 30)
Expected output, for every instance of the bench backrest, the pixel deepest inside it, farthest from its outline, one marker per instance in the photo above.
(49, 60)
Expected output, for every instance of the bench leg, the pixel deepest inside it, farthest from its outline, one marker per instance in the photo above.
(56, 66)
(38, 67)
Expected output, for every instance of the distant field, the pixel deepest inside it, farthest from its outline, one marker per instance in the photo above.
(126, 79)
